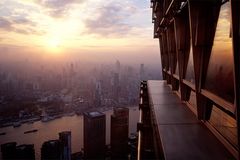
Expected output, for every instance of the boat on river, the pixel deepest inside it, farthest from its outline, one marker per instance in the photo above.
(2, 133)
(31, 131)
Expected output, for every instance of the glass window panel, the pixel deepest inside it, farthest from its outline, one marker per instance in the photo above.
(224, 124)
(165, 49)
(220, 69)
(190, 68)
(177, 70)
(172, 48)
(165, 57)
(170, 60)
(193, 101)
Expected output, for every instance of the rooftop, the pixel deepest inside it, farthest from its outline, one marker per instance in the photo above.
(94, 114)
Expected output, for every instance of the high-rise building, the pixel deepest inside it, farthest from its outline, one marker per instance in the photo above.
(51, 150)
(119, 133)
(98, 94)
(65, 141)
(94, 135)
(25, 151)
(142, 72)
(116, 87)
(118, 66)
(12, 151)
(8, 150)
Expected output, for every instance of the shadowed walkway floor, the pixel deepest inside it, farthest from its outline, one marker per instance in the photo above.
(182, 135)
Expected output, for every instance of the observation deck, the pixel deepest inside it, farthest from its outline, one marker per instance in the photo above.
(195, 112)
(168, 129)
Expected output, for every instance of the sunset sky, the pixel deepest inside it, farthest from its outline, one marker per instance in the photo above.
(88, 28)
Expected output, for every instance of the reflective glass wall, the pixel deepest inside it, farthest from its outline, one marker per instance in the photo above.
(220, 69)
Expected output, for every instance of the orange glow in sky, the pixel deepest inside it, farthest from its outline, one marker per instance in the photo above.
(79, 26)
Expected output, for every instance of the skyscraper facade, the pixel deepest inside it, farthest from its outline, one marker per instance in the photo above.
(65, 141)
(25, 151)
(94, 135)
(119, 133)
(8, 150)
(12, 151)
(51, 150)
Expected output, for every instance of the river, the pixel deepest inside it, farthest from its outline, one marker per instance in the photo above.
(49, 130)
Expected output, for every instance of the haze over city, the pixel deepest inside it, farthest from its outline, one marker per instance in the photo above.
(62, 61)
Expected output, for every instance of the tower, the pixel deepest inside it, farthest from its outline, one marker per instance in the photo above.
(65, 141)
(116, 87)
(51, 150)
(118, 66)
(142, 72)
(94, 135)
(12, 151)
(119, 133)
(9, 150)
(25, 151)
(98, 94)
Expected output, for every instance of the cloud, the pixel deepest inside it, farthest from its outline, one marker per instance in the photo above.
(58, 3)
(20, 25)
(16, 17)
(8, 22)
(23, 20)
(5, 24)
(58, 8)
(110, 20)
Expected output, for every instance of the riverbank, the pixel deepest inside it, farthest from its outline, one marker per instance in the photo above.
(18, 122)
(49, 130)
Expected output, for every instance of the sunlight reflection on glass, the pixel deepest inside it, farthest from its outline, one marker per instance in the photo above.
(190, 69)
(220, 71)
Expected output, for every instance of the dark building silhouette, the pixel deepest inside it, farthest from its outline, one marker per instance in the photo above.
(142, 72)
(119, 133)
(25, 151)
(9, 150)
(65, 142)
(51, 150)
(94, 135)
(14, 152)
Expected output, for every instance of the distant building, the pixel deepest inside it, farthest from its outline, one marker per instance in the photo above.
(116, 87)
(94, 135)
(51, 150)
(119, 133)
(118, 66)
(12, 151)
(142, 72)
(98, 94)
(65, 141)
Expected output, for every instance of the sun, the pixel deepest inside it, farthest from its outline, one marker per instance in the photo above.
(54, 45)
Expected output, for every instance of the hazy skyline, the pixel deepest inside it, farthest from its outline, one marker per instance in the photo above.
(92, 30)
